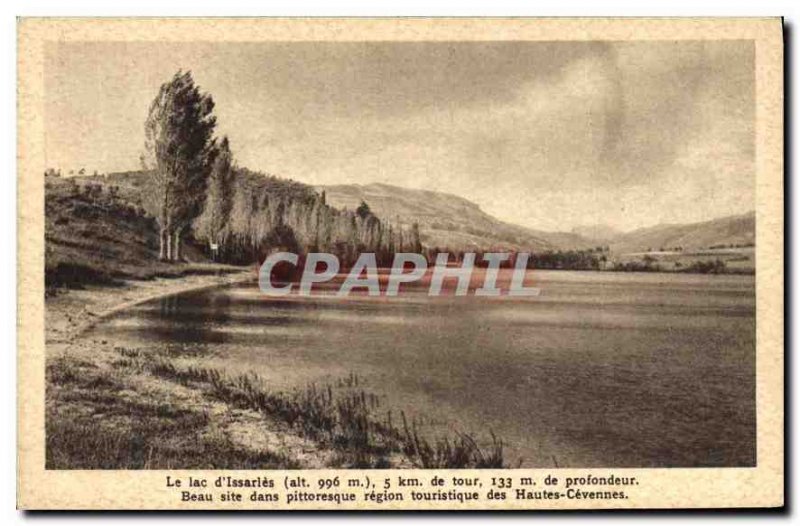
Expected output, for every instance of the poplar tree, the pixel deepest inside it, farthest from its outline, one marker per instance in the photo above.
(212, 223)
(180, 153)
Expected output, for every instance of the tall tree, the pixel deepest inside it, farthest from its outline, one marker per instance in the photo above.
(219, 198)
(416, 243)
(181, 151)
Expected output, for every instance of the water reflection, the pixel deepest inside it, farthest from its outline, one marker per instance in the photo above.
(620, 371)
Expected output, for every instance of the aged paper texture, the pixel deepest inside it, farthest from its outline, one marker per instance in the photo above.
(400, 264)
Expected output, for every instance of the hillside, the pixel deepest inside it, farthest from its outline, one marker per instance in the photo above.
(738, 230)
(446, 220)
(98, 233)
(599, 234)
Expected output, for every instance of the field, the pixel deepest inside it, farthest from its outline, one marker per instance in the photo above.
(734, 260)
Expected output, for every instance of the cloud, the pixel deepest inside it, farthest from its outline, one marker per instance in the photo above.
(549, 135)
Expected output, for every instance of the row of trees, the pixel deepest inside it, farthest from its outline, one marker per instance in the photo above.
(195, 185)
(568, 260)
(266, 213)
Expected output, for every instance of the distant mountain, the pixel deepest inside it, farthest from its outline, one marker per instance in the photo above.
(733, 230)
(600, 234)
(446, 220)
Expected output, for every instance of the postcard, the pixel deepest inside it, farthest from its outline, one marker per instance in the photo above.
(400, 264)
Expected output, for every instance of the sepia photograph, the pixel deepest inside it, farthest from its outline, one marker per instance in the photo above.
(525, 255)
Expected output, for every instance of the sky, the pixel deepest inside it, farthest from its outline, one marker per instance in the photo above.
(549, 135)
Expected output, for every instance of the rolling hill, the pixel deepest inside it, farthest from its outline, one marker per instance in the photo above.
(98, 233)
(738, 230)
(446, 220)
(600, 234)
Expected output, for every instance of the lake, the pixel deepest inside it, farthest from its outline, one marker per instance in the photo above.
(601, 369)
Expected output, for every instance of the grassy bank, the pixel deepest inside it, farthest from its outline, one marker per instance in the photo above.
(97, 233)
(96, 420)
(143, 409)
(344, 417)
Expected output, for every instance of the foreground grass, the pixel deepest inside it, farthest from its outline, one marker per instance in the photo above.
(96, 421)
(348, 420)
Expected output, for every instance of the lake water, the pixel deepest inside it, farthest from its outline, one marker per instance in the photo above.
(599, 370)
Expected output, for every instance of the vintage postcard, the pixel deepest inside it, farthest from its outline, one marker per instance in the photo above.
(400, 264)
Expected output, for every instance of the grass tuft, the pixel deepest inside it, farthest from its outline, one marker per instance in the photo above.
(94, 423)
(347, 419)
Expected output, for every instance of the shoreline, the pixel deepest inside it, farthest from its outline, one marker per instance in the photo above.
(94, 390)
(71, 313)
(111, 406)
